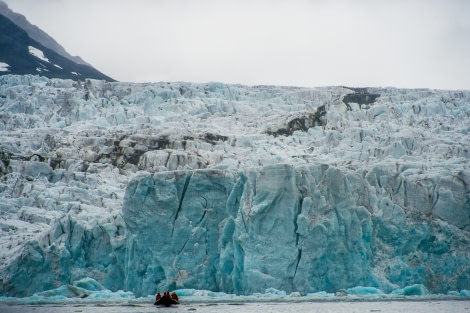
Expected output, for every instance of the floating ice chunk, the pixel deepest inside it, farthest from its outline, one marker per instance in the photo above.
(38, 54)
(362, 291)
(273, 291)
(414, 290)
(66, 291)
(85, 288)
(69, 294)
(320, 295)
(89, 284)
(79, 289)
(200, 293)
(107, 294)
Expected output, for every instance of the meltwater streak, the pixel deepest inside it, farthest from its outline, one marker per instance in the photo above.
(323, 307)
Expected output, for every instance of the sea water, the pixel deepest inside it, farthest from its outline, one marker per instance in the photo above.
(446, 306)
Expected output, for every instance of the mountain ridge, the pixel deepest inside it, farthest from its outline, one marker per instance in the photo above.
(37, 34)
(20, 40)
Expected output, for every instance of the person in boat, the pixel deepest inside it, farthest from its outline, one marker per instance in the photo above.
(166, 299)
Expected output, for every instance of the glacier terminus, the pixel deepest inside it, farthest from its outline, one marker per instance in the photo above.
(232, 188)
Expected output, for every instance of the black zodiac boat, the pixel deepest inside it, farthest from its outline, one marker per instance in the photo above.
(166, 301)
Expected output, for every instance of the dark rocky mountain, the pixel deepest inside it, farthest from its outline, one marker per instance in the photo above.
(37, 34)
(21, 54)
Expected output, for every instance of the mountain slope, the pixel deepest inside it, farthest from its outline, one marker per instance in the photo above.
(20, 54)
(37, 34)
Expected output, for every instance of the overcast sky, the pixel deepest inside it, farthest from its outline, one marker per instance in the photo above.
(399, 43)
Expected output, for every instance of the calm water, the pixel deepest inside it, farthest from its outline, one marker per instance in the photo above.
(314, 307)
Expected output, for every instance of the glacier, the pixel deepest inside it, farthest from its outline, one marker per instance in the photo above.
(233, 189)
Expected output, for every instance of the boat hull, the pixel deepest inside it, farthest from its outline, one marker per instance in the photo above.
(166, 301)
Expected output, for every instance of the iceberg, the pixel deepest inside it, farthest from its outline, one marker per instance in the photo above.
(81, 289)
(364, 291)
(414, 290)
(111, 189)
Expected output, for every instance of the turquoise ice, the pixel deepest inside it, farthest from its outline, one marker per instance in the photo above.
(233, 189)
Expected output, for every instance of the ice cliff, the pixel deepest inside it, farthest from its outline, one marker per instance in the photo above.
(232, 188)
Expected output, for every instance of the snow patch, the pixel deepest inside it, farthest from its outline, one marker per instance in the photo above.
(38, 54)
(4, 67)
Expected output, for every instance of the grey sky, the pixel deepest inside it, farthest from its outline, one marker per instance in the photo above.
(400, 43)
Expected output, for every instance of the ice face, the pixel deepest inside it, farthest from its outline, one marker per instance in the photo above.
(230, 188)
(294, 228)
